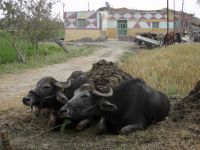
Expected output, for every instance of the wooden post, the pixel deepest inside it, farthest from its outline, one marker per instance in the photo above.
(4, 141)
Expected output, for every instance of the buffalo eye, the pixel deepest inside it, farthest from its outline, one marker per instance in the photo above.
(46, 87)
(84, 96)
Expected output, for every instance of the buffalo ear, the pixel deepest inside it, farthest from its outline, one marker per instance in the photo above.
(106, 105)
(60, 96)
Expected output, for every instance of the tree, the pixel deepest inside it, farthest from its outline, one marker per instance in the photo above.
(12, 14)
(38, 21)
(31, 20)
(12, 23)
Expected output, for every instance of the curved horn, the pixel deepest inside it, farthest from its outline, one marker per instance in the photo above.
(66, 84)
(63, 84)
(108, 94)
(87, 86)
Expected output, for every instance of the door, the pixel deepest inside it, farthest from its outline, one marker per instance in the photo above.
(122, 28)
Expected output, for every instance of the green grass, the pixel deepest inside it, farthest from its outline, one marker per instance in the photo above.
(48, 53)
(173, 70)
(52, 58)
(8, 53)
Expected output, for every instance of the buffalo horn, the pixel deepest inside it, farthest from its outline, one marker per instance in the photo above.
(108, 94)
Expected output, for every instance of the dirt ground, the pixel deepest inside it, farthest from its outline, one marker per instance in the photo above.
(29, 133)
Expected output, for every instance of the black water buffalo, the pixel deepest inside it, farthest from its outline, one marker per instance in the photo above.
(52, 94)
(133, 105)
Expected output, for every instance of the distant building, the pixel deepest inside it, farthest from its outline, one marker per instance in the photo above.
(82, 24)
(123, 22)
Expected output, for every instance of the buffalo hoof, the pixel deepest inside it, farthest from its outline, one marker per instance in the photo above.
(82, 125)
(52, 121)
(130, 128)
(124, 131)
(100, 131)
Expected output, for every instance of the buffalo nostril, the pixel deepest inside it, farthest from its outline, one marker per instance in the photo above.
(62, 111)
(26, 99)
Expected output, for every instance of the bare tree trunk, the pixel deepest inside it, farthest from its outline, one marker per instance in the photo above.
(19, 52)
(57, 41)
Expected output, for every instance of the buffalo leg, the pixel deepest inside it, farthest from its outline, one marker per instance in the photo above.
(83, 124)
(101, 126)
(131, 128)
(45, 112)
(52, 120)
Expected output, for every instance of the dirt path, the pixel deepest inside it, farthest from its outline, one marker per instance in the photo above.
(15, 85)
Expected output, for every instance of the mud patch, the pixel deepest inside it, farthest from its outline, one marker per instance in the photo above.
(106, 74)
(188, 109)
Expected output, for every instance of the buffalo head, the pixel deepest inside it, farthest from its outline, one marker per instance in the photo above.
(46, 92)
(86, 102)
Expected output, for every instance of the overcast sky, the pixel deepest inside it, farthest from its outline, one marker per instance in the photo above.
(190, 6)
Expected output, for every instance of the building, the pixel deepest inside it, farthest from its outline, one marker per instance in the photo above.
(122, 22)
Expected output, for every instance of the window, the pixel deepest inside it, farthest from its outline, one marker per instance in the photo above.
(155, 24)
(81, 23)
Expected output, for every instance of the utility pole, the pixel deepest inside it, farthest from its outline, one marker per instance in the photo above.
(88, 6)
(174, 16)
(63, 10)
(182, 18)
(167, 16)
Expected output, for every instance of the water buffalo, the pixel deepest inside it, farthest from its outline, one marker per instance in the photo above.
(133, 105)
(169, 39)
(52, 94)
